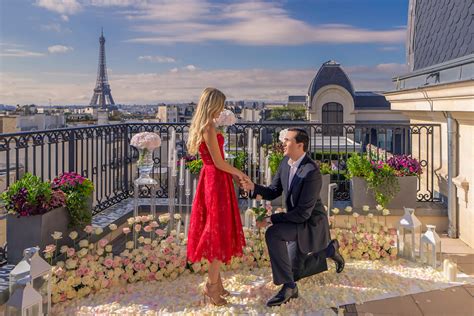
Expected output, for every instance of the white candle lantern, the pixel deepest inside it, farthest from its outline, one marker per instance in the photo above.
(41, 280)
(22, 269)
(25, 301)
(409, 232)
(431, 244)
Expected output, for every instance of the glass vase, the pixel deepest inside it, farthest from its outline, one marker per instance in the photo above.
(145, 166)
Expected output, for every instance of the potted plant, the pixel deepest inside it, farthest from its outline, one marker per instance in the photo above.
(78, 190)
(390, 183)
(407, 170)
(35, 211)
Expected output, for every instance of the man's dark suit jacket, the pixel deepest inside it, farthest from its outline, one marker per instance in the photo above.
(304, 207)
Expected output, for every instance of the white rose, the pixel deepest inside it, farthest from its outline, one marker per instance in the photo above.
(57, 235)
(73, 235)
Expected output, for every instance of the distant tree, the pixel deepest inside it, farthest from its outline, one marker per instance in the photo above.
(285, 114)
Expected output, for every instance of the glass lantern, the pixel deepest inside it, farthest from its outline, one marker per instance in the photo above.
(430, 244)
(22, 269)
(25, 301)
(41, 280)
(409, 233)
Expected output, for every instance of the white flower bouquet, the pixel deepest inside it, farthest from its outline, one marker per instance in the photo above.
(226, 118)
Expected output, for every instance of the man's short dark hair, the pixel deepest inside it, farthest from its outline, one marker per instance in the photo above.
(301, 137)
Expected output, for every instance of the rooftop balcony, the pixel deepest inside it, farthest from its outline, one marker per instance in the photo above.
(104, 155)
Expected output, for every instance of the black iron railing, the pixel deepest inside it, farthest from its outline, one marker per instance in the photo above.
(103, 153)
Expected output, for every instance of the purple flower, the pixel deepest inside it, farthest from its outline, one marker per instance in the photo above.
(405, 165)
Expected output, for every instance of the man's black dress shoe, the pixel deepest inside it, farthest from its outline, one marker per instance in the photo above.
(286, 293)
(337, 257)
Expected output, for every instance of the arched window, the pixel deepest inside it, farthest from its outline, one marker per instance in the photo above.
(332, 112)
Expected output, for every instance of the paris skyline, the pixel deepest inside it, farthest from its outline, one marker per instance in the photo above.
(165, 51)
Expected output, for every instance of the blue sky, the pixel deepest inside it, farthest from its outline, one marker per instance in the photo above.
(169, 50)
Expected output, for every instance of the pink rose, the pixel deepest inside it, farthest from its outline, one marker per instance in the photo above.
(103, 242)
(162, 264)
(148, 229)
(160, 232)
(108, 262)
(89, 229)
(126, 230)
(138, 227)
(70, 252)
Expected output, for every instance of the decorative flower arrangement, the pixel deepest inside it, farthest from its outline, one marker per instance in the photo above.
(30, 196)
(226, 118)
(146, 140)
(146, 143)
(92, 267)
(78, 190)
(405, 165)
(369, 242)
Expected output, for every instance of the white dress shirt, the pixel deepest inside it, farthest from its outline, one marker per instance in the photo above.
(293, 168)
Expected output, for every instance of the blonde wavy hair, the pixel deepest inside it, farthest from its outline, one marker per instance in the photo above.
(210, 105)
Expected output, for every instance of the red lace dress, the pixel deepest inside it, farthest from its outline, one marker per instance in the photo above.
(215, 229)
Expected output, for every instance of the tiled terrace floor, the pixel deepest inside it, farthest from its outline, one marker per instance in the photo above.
(450, 302)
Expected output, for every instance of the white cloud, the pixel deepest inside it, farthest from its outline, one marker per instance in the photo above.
(16, 52)
(190, 68)
(247, 23)
(59, 49)
(117, 3)
(55, 27)
(185, 86)
(170, 10)
(63, 7)
(157, 59)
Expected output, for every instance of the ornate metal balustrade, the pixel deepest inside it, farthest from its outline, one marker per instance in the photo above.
(103, 153)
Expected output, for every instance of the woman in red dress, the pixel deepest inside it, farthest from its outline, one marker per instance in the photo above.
(215, 230)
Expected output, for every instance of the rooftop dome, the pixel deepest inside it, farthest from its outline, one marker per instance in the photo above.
(329, 73)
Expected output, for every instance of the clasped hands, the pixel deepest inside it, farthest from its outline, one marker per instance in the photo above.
(244, 182)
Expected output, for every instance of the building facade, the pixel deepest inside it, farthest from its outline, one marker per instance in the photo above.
(439, 89)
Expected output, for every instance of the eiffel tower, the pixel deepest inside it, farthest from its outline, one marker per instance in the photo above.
(102, 96)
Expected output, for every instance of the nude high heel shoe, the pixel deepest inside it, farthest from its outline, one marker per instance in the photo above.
(212, 292)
